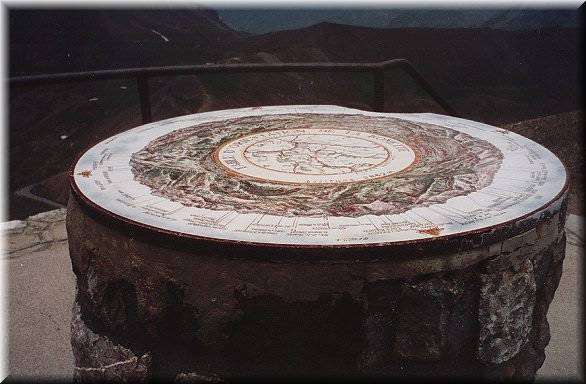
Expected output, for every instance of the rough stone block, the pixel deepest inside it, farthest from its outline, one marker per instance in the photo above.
(505, 312)
(381, 309)
(98, 359)
(425, 325)
(560, 249)
(193, 378)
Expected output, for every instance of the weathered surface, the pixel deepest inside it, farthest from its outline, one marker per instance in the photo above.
(203, 316)
(192, 378)
(40, 313)
(36, 233)
(564, 353)
(428, 322)
(505, 312)
(39, 288)
(98, 359)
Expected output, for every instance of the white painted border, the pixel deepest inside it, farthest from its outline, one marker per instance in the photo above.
(126, 143)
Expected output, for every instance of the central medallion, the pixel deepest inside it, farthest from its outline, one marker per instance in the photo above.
(314, 156)
(313, 164)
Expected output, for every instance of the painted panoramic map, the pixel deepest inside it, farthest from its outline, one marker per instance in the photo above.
(315, 165)
(318, 175)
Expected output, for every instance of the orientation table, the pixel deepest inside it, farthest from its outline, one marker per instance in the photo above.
(314, 241)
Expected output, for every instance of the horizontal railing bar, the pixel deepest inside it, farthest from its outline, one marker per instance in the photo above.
(141, 75)
(26, 192)
(203, 69)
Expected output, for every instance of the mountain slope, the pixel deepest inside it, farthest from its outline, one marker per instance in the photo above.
(563, 134)
(260, 21)
(85, 39)
(493, 76)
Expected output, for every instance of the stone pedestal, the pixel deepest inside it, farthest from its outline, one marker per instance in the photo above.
(314, 241)
(146, 310)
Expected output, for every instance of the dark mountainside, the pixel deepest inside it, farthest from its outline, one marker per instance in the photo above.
(81, 40)
(494, 76)
(488, 75)
(257, 20)
(563, 134)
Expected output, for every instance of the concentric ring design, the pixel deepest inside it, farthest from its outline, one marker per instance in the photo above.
(314, 156)
(318, 175)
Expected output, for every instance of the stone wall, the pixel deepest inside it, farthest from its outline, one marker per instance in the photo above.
(150, 311)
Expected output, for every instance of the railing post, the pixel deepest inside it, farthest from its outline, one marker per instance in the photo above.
(378, 100)
(428, 88)
(145, 98)
(142, 76)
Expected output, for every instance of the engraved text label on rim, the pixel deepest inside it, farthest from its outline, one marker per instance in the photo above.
(313, 155)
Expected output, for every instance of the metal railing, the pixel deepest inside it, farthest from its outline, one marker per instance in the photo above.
(142, 75)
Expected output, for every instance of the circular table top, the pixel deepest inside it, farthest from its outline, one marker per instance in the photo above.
(318, 176)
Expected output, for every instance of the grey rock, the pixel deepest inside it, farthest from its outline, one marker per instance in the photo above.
(560, 249)
(376, 351)
(14, 226)
(505, 312)
(381, 307)
(192, 378)
(425, 324)
(97, 358)
(36, 233)
(49, 216)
